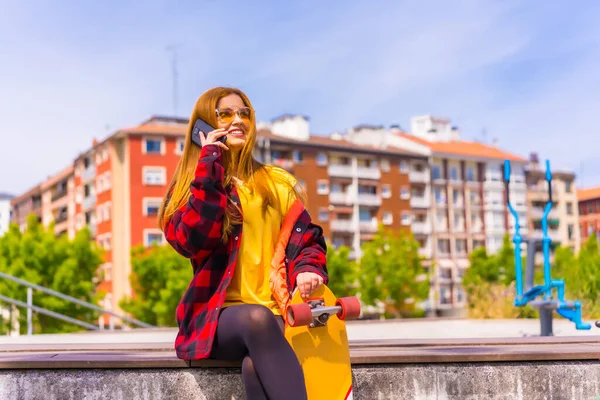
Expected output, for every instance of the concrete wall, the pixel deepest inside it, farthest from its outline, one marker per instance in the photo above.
(477, 381)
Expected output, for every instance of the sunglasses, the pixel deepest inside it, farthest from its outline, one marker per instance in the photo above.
(227, 115)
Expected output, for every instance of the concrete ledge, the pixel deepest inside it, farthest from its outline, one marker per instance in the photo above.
(466, 381)
(451, 369)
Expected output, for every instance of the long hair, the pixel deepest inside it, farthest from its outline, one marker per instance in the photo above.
(246, 167)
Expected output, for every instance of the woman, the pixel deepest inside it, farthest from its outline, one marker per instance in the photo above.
(251, 243)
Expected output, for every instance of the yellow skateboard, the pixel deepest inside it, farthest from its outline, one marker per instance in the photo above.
(316, 331)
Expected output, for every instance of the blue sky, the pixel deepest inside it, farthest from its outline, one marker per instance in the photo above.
(525, 72)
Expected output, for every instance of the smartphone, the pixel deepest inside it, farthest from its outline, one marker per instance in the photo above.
(202, 126)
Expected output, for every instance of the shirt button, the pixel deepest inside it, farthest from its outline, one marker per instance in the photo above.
(236, 238)
(298, 229)
(215, 153)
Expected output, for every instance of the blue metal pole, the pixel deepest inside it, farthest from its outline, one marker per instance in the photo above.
(517, 239)
(546, 239)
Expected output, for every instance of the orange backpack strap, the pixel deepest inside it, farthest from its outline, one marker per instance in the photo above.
(278, 276)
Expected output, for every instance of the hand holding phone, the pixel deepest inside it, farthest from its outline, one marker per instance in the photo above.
(203, 134)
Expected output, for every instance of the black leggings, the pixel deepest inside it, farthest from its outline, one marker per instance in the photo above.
(251, 333)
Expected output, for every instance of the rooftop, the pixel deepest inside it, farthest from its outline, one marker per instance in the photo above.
(466, 149)
(588, 194)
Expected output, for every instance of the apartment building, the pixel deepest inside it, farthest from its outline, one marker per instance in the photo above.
(563, 218)
(5, 212)
(25, 204)
(351, 187)
(460, 206)
(589, 212)
(58, 202)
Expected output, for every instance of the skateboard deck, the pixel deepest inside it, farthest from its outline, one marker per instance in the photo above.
(316, 330)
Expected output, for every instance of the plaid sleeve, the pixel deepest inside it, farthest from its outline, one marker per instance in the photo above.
(195, 229)
(312, 253)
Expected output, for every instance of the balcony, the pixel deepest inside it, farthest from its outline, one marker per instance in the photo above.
(493, 185)
(540, 193)
(286, 164)
(346, 198)
(554, 235)
(494, 206)
(420, 201)
(89, 202)
(538, 213)
(341, 225)
(368, 173)
(425, 251)
(58, 194)
(476, 227)
(340, 170)
(421, 227)
(419, 176)
(368, 226)
(368, 199)
(89, 173)
(93, 229)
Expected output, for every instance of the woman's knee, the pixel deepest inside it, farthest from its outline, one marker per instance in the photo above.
(261, 321)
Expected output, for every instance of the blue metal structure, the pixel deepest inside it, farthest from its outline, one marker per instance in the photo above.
(570, 310)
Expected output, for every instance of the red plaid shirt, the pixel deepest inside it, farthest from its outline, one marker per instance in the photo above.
(195, 232)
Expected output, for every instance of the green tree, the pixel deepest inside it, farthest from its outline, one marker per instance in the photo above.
(391, 272)
(67, 266)
(490, 284)
(159, 278)
(589, 269)
(341, 271)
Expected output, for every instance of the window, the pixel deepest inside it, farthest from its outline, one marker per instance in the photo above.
(440, 219)
(478, 243)
(474, 198)
(569, 208)
(179, 146)
(568, 187)
(404, 193)
(436, 172)
(406, 218)
(322, 187)
(302, 183)
(454, 173)
(364, 215)
(498, 218)
(386, 191)
(107, 267)
(458, 226)
(570, 231)
(297, 157)
(152, 146)
(470, 174)
(440, 196)
(456, 197)
(387, 218)
(385, 165)
(321, 159)
(461, 246)
(153, 237)
(323, 214)
(444, 246)
(154, 175)
(403, 166)
(150, 206)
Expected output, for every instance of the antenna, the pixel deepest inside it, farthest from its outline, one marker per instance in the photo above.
(172, 48)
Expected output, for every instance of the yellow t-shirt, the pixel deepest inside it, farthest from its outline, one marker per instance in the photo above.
(250, 282)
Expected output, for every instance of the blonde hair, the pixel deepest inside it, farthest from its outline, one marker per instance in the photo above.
(247, 168)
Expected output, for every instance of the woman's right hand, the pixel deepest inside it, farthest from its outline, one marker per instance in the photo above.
(212, 138)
